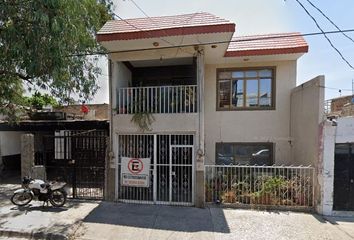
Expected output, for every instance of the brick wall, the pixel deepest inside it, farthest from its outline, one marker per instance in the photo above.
(338, 103)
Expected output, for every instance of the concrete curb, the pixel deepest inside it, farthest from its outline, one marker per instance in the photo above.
(70, 233)
(32, 235)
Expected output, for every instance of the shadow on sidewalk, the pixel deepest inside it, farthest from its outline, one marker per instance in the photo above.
(184, 219)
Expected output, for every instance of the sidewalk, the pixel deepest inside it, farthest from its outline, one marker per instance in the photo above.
(36, 221)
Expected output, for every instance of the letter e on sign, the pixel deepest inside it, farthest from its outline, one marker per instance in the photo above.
(135, 166)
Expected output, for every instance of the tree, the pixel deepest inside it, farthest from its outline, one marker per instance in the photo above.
(43, 45)
(37, 101)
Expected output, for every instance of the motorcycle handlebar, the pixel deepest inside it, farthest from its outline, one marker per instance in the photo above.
(26, 180)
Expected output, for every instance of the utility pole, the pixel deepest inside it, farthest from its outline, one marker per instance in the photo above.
(352, 100)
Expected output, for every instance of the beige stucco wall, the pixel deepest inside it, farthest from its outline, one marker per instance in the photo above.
(307, 113)
(251, 126)
(228, 126)
(163, 123)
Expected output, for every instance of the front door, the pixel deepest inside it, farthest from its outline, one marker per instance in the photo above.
(171, 168)
(344, 177)
(181, 174)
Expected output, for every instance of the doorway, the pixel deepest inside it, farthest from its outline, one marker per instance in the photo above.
(171, 168)
(344, 177)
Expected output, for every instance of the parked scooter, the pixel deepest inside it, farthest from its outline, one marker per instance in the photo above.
(39, 190)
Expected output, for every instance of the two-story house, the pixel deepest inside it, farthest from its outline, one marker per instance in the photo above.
(185, 92)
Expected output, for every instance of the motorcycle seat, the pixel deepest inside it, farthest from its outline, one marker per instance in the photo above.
(45, 185)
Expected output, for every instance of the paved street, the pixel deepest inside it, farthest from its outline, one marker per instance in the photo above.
(113, 221)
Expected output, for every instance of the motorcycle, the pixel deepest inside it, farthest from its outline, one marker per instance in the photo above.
(40, 190)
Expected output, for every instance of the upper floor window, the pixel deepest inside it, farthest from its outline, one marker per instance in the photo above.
(239, 89)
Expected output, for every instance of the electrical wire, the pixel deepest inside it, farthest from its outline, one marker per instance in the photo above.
(137, 28)
(337, 89)
(153, 22)
(219, 42)
(132, 25)
(324, 34)
(141, 10)
(324, 15)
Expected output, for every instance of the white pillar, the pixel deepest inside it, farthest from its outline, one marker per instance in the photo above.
(326, 170)
(200, 153)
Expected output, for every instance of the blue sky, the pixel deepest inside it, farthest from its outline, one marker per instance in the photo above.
(270, 16)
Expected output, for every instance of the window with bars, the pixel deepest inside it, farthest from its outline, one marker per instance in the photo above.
(243, 89)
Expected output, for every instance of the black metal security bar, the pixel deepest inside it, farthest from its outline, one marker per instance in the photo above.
(78, 158)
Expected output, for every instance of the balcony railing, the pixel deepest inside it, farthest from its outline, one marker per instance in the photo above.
(161, 99)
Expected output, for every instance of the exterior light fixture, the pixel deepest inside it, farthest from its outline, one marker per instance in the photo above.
(156, 44)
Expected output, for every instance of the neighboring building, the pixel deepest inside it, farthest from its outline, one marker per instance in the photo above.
(337, 167)
(211, 101)
(96, 111)
(52, 133)
(341, 106)
(336, 162)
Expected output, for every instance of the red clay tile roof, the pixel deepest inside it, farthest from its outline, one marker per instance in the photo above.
(138, 28)
(270, 44)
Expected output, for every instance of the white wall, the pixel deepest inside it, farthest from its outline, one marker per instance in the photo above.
(10, 143)
(326, 169)
(345, 130)
(163, 123)
(251, 126)
(121, 77)
(342, 133)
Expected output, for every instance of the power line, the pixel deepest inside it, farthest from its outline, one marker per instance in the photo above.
(220, 42)
(141, 10)
(153, 22)
(340, 89)
(324, 15)
(137, 28)
(324, 34)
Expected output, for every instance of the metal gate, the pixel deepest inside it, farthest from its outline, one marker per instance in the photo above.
(78, 158)
(343, 198)
(171, 168)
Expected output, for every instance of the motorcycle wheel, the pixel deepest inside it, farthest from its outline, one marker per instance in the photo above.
(21, 199)
(57, 198)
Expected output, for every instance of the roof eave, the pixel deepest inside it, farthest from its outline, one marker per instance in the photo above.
(179, 31)
(264, 52)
